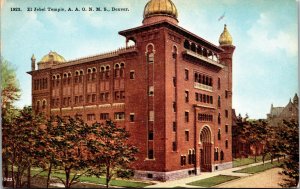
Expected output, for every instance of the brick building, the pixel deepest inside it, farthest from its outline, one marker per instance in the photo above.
(172, 90)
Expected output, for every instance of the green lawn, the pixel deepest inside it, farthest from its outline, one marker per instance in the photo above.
(95, 180)
(216, 180)
(246, 161)
(258, 168)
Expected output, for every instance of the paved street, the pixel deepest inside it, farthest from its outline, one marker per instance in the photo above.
(264, 180)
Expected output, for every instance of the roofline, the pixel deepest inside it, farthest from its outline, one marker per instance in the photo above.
(173, 27)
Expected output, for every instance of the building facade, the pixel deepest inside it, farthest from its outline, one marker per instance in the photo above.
(289, 112)
(172, 90)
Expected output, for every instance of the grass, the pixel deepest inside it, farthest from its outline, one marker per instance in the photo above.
(212, 181)
(246, 161)
(258, 168)
(95, 180)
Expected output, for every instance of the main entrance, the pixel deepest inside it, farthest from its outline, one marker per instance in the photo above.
(205, 151)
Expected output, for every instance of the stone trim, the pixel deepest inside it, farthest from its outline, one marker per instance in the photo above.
(222, 166)
(64, 109)
(78, 107)
(92, 106)
(104, 106)
(55, 109)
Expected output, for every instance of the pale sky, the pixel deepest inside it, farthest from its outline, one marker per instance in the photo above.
(265, 65)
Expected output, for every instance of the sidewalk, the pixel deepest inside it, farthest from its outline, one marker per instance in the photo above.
(182, 182)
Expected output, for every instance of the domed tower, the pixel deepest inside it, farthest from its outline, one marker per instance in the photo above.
(50, 59)
(157, 10)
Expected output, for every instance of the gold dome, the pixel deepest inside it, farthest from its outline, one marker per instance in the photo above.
(53, 57)
(160, 7)
(225, 38)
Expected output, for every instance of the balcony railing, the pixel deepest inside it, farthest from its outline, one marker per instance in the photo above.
(203, 58)
(203, 87)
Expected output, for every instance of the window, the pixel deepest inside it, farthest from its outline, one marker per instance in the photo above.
(151, 91)
(117, 95)
(122, 95)
(174, 81)
(187, 135)
(151, 115)
(219, 102)
(216, 154)
(226, 144)
(91, 117)
(226, 94)
(196, 97)
(150, 154)
(131, 118)
(174, 146)
(183, 160)
(94, 97)
(226, 113)
(219, 134)
(149, 175)
(186, 74)
(222, 155)
(119, 116)
(186, 116)
(150, 135)
(151, 58)
(174, 107)
(88, 98)
(219, 83)
(226, 128)
(104, 116)
(132, 75)
(190, 157)
(219, 118)
(174, 126)
(186, 96)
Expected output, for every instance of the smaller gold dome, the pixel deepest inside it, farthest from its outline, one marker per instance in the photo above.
(160, 7)
(225, 38)
(53, 57)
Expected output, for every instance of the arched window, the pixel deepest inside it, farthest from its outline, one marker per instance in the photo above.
(226, 144)
(122, 69)
(174, 52)
(219, 118)
(44, 104)
(107, 71)
(219, 101)
(216, 156)
(117, 70)
(193, 47)
(186, 44)
(219, 134)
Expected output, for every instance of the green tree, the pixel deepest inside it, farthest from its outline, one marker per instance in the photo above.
(289, 139)
(10, 92)
(111, 152)
(21, 140)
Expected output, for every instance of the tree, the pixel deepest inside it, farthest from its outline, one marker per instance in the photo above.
(255, 133)
(21, 140)
(110, 150)
(289, 137)
(67, 140)
(10, 92)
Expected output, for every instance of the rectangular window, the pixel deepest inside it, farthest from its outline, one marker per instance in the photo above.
(119, 116)
(196, 97)
(187, 135)
(211, 100)
(174, 107)
(151, 91)
(226, 94)
(219, 83)
(150, 154)
(186, 116)
(150, 135)
(174, 126)
(104, 116)
(226, 143)
(226, 113)
(174, 81)
(117, 95)
(106, 96)
(122, 95)
(174, 146)
(219, 134)
(226, 128)
(186, 74)
(132, 75)
(186, 96)
(88, 98)
(131, 117)
(94, 98)
(151, 115)
(91, 117)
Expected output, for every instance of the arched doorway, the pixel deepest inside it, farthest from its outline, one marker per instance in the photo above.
(205, 151)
